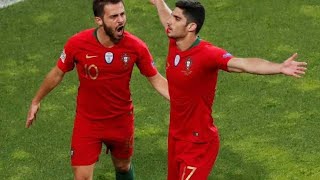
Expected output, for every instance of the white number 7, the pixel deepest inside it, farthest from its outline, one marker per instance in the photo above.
(193, 169)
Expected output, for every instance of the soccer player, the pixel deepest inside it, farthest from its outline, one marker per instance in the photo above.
(104, 58)
(192, 69)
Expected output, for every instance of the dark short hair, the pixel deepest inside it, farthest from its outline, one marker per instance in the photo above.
(98, 6)
(194, 12)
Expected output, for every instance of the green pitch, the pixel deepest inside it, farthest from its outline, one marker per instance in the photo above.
(269, 125)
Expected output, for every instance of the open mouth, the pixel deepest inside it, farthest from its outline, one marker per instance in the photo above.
(120, 29)
(168, 29)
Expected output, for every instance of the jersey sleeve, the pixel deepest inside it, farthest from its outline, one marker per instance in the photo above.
(145, 62)
(66, 61)
(221, 58)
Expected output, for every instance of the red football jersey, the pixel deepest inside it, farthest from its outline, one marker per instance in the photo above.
(104, 73)
(192, 77)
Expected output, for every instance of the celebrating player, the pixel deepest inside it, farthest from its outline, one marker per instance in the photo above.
(192, 70)
(104, 58)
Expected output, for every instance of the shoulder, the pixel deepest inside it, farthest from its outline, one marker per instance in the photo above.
(82, 36)
(133, 40)
(208, 46)
(215, 50)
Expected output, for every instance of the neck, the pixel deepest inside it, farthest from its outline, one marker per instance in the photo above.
(186, 42)
(104, 39)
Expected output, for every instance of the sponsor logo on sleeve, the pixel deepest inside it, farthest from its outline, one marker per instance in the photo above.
(71, 152)
(63, 56)
(227, 55)
(153, 63)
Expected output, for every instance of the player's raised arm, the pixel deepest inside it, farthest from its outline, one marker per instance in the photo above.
(53, 78)
(289, 67)
(160, 84)
(164, 11)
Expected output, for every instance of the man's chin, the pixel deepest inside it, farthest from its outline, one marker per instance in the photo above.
(119, 36)
(170, 35)
(116, 39)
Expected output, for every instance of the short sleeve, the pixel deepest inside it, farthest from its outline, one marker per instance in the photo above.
(221, 58)
(66, 61)
(145, 62)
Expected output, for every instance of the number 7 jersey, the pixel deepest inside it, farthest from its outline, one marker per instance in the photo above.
(192, 78)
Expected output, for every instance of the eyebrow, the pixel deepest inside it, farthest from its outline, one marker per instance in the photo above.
(115, 15)
(176, 16)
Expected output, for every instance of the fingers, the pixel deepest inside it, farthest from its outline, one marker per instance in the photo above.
(152, 2)
(28, 123)
(300, 72)
(29, 120)
(296, 75)
(303, 64)
(32, 115)
(301, 68)
(293, 57)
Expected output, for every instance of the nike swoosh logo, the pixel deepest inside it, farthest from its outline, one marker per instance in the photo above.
(89, 57)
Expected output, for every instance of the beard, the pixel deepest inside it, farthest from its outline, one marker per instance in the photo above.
(109, 32)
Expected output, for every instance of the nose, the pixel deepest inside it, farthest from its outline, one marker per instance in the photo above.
(121, 19)
(169, 21)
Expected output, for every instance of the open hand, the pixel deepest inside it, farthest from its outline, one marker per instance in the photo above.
(291, 67)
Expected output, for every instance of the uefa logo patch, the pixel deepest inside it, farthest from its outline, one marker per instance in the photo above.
(227, 55)
(176, 60)
(108, 57)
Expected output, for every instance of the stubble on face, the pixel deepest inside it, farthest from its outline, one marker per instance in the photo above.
(111, 33)
(113, 21)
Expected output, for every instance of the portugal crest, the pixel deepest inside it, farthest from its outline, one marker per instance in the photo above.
(188, 65)
(108, 57)
(125, 59)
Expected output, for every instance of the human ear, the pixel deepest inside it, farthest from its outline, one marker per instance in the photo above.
(98, 21)
(192, 27)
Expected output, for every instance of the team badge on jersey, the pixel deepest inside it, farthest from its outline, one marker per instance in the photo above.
(108, 57)
(125, 59)
(63, 56)
(188, 65)
(176, 60)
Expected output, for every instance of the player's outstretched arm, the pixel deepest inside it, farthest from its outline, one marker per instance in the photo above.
(160, 84)
(53, 78)
(164, 11)
(289, 67)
